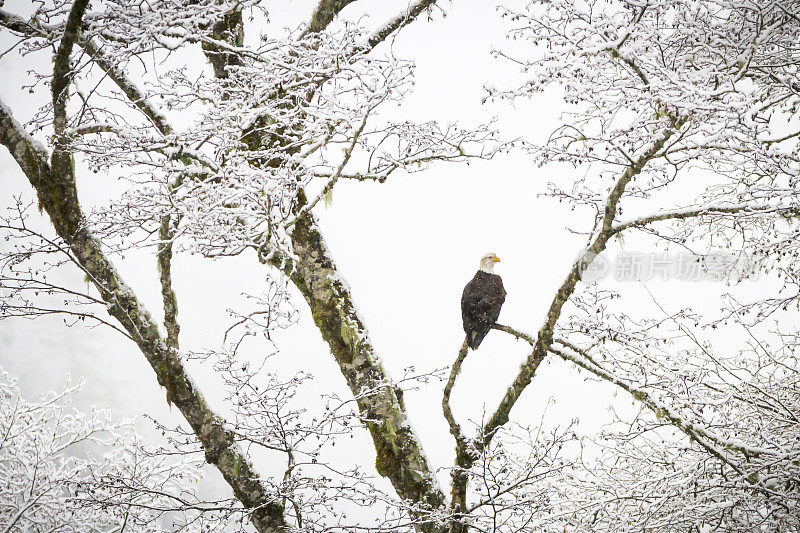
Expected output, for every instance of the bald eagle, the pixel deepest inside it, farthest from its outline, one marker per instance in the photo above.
(481, 301)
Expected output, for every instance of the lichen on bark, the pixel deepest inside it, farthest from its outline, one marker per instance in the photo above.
(57, 192)
(399, 455)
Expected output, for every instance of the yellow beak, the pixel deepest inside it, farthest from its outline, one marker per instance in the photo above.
(496, 259)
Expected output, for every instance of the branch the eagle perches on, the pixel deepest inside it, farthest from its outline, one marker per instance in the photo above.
(468, 450)
(455, 370)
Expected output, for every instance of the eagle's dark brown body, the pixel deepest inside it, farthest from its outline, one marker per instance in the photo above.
(480, 306)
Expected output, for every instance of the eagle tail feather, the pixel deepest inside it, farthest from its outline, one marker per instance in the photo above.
(476, 338)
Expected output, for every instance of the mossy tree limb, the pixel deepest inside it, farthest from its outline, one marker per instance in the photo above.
(324, 14)
(56, 188)
(399, 454)
(604, 232)
(228, 29)
(465, 451)
(166, 234)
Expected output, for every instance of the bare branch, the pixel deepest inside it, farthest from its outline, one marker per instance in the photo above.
(744, 209)
(324, 14)
(399, 454)
(403, 19)
(545, 336)
(166, 234)
(61, 65)
(455, 428)
(128, 87)
(58, 196)
(714, 444)
(465, 453)
(333, 179)
(517, 334)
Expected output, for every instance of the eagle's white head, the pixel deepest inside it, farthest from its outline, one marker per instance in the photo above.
(488, 261)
